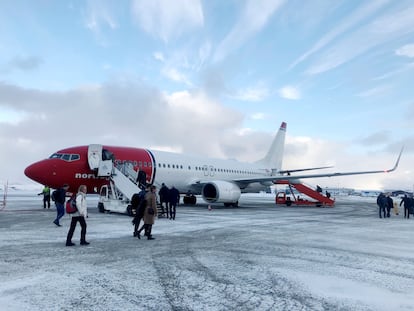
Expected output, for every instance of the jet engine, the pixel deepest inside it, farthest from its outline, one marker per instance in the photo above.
(221, 192)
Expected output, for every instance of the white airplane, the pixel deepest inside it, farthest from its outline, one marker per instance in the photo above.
(217, 180)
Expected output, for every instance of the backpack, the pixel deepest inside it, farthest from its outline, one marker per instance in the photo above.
(141, 208)
(71, 205)
(135, 200)
(54, 195)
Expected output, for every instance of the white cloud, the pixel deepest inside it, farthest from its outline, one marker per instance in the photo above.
(254, 17)
(385, 28)
(99, 14)
(258, 116)
(376, 91)
(361, 13)
(159, 56)
(253, 94)
(289, 92)
(395, 72)
(176, 76)
(11, 116)
(168, 19)
(204, 52)
(406, 50)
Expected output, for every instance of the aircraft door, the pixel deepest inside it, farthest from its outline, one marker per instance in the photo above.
(94, 156)
(211, 170)
(97, 162)
(205, 169)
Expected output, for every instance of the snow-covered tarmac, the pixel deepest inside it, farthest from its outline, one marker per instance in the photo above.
(255, 257)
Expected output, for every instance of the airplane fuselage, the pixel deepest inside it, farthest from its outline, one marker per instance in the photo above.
(217, 180)
(184, 172)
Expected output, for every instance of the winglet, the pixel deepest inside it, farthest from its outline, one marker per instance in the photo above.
(397, 162)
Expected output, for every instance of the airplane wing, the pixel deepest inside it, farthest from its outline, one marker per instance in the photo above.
(288, 172)
(296, 177)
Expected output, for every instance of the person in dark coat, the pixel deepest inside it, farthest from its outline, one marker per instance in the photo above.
(390, 204)
(382, 204)
(163, 193)
(407, 205)
(173, 200)
(138, 203)
(60, 203)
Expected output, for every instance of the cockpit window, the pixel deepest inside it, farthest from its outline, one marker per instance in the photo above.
(68, 157)
(55, 156)
(74, 157)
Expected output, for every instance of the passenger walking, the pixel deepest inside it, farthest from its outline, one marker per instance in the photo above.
(390, 204)
(395, 208)
(150, 212)
(46, 196)
(139, 210)
(407, 205)
(382, 204)
(60, 197)
(79, 216)
(173, 200)
(163, 193)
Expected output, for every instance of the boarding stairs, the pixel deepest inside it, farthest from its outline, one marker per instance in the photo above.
(321, 200)
(123, 177)
(124, 183)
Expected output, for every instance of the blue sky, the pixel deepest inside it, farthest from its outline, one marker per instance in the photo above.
(211, 77)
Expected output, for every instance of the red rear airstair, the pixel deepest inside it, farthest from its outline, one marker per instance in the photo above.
(321, 200)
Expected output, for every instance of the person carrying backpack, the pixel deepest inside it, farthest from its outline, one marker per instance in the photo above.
(60, 196)
(138, 203)
(79, 216)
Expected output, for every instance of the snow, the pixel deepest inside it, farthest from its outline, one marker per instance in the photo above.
(255, 257)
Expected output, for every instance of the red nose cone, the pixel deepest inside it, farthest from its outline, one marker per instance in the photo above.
(35, 172)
